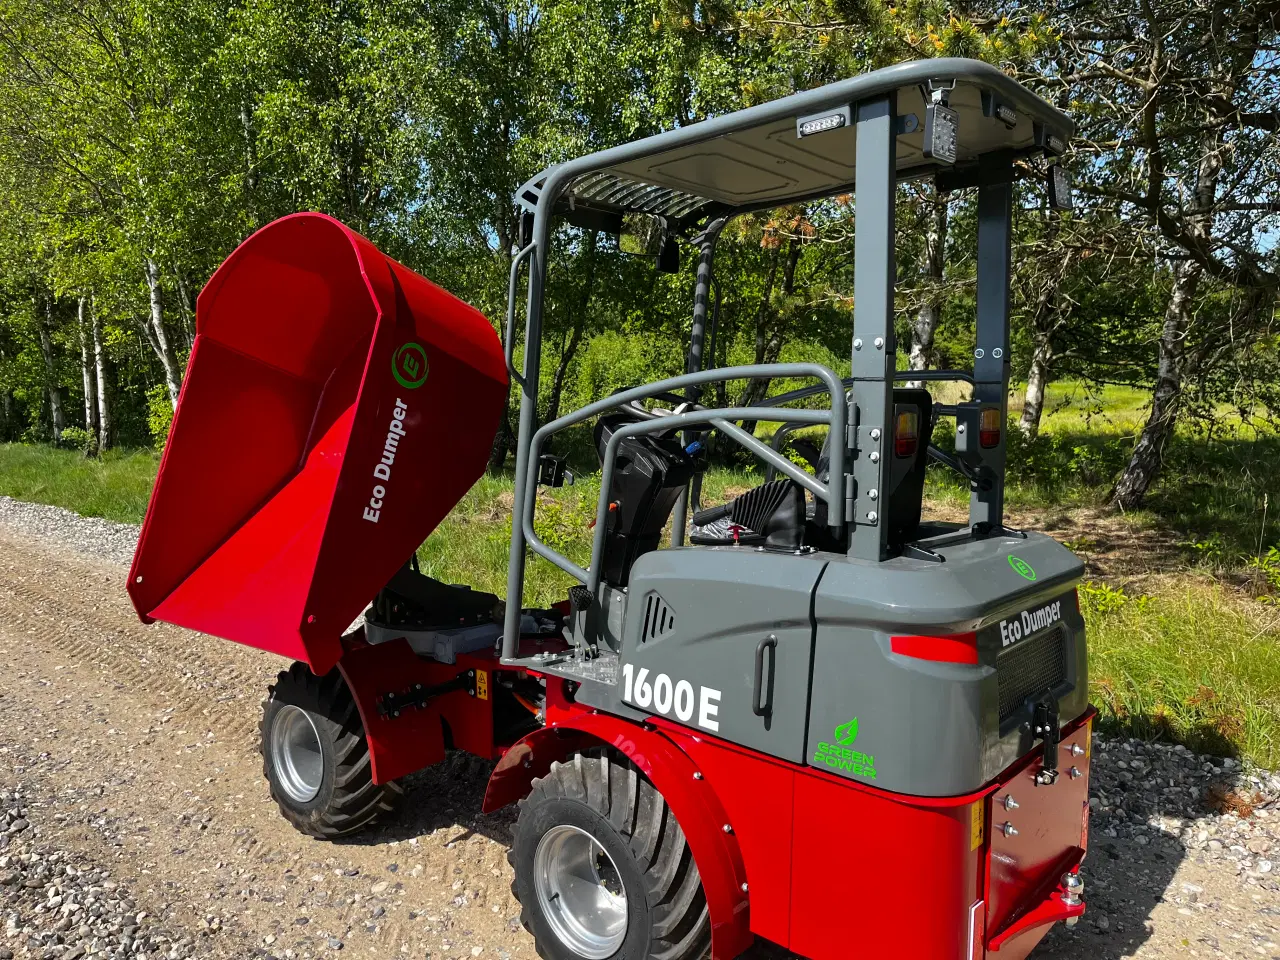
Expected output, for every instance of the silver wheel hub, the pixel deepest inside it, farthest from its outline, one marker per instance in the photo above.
(580, 892)
(295, 754)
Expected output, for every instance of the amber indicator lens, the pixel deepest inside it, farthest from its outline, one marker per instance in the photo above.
(989, 427)
(906, 434)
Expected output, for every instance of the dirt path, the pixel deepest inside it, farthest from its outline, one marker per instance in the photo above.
(138, 745)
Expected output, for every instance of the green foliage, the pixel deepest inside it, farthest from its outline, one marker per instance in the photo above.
(159, 414)
(78, 438)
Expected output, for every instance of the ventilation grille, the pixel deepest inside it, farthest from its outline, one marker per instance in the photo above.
(659, 620)
(1031, 669)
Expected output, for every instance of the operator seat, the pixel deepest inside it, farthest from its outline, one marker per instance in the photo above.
(774, 514)
(649, 475)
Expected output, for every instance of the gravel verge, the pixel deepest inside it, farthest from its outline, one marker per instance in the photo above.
(98, 538)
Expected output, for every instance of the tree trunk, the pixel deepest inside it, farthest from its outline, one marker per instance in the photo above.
(932, 263)
(186, 309)
(6, 415)
(1144, 465)
(105, 425)
(1037, 378)
(159, 338)
(56, 415)
(88, 375)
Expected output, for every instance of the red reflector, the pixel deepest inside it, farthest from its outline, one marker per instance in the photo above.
(989, 427)
(906, 434)
(953, 648)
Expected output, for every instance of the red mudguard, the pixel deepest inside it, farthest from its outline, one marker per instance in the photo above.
(336, 407)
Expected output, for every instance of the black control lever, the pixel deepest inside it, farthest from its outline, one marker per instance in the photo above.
(1046, 725)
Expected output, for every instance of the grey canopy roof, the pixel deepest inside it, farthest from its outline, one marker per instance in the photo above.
(754, 158)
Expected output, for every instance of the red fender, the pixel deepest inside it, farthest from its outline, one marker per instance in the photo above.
(692, 800)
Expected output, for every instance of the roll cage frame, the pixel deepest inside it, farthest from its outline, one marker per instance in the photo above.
(591, 192)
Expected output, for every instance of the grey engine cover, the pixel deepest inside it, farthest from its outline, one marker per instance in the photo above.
(696, 618)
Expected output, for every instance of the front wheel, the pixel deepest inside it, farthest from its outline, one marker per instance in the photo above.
(602, 868)
(316, 758)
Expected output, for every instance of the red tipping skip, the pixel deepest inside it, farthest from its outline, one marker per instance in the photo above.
(336, 407)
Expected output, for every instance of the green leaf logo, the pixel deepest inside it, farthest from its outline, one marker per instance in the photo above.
(846, 733)
(1022, 568)
(409, 365)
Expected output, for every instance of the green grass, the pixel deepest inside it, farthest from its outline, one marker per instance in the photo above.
(1193, 663)
(1189, 654)
(115, 487)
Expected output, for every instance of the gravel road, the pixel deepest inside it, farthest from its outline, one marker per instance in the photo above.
(134, 820)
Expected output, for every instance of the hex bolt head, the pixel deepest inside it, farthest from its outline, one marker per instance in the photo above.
(1077, 750)
(879, 343)
(872, 516)
(873, 494)
(1074, 773)
(875, 433)
(979, 354)
(1009, 830)
(697, 775)
(875, 456)
(997, 353)
(728, 829)
(744, 888)
(857, 343)
(1010, 803)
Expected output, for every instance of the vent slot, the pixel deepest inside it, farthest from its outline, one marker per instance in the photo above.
(1031, 669)
(659, 619)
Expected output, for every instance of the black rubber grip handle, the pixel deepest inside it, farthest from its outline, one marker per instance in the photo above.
(769, 643)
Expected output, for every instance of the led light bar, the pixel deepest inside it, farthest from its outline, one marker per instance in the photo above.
(822, 122)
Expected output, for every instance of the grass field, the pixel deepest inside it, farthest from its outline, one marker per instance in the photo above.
(1182, 600)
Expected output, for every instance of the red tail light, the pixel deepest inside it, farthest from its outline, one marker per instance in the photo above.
(989, 427)
(952, 648)
(906, 434)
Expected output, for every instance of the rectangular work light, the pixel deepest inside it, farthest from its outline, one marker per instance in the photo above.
(941, 125)
(1059, 188)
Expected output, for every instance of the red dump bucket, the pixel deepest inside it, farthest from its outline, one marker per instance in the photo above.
(336, 407)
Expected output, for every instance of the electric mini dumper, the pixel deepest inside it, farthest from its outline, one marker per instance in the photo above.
(811, 717)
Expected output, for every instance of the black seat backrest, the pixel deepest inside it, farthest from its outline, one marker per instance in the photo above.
(648, 477)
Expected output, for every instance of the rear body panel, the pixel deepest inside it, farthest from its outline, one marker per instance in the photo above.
(867, 872)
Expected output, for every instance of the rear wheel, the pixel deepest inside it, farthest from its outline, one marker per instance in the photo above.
(602, 868)
(316, 758)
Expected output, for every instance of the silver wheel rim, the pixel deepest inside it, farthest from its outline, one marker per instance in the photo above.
(295, 754)
(580, 892)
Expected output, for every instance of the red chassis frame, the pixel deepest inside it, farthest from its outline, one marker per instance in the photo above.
(864, 870)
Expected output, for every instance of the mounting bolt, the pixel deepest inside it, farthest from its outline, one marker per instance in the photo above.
(1074, 773)
(979, 354)
(873, 494)
(1009, 830)
(857, 343)
(875, 456)
(1010, 803)
(875, 433)
(697, 775)
(879, 343)
(997, 353)
(744, 888)
(728, 829)
(872, 516)
(1077, 750)
(137, 579)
